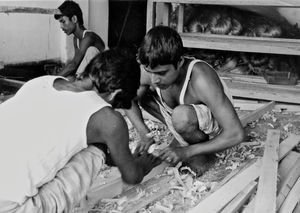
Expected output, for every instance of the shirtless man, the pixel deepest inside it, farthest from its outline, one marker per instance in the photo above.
(188, 96)
(87, 44)
(48, 160)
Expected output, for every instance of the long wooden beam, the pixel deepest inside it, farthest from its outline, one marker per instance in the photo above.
(266, 192)
(287, 184)
(19, 9)
(275, 3)
(227, 192)
(292, 199)
(257, 113)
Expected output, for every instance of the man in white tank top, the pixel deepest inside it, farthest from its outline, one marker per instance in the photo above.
(87, 44)
(188, 96)
(47, 159)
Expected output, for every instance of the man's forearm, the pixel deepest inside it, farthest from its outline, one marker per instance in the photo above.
(135, 116)
(219, 143)
(69, 69)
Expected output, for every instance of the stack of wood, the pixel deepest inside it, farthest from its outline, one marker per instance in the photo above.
(270, 184)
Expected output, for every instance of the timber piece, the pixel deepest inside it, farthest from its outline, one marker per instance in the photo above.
(112, 185)
(241, 43)
(256, 114)
(297, 208)
(228, 191)
(276, 3)
(287, 184)
(237, 202)
(18, 9)
(219, 199)
(250, 206)
(278, 107)
(286, 94)
(143, 194)
(266, 192)
(287, 145)
(286, 165)
(292, 199)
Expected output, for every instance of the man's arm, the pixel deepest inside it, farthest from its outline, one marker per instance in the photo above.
(208, 88)
(114, 133)
(135, 115)
(71, 66)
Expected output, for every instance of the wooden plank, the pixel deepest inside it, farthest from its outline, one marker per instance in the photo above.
(297, 208)
(292, 199)
(249, 78)
(241, 43)
(180, 18)
(286, 165)
(218, 200)
(151, 14)
(288, 144)
(227, 192)
(146, 193)
(112, 184)
(278, 107)
(275, 3)
(287, 184)
(263, 91)
(266, 193)
(245, 119)
(18, 9)
(166, 14)
(236, 204)
(250, 207)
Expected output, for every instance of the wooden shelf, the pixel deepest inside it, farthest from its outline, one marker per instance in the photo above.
(242, 43)
(274, 3)
(158, 13)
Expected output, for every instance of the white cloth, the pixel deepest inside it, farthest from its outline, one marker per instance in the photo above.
(41, 130)
(90, 53)
(207, 123)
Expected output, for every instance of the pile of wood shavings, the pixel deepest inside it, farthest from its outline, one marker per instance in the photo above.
(187, 190)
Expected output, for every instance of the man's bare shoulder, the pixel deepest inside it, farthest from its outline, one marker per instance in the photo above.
(93, 39)
(107, 120)
(204, 80)
(204, 73)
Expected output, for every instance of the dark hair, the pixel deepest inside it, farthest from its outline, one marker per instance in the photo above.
(115, 69)
(162, 45)
(70, 8)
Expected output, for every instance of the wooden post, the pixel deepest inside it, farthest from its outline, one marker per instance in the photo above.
(266, 193)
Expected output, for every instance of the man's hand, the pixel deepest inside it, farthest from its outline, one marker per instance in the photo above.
(173, 154)
(146, 161)
(146, 141)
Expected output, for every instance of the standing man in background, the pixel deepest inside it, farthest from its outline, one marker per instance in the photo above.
(87, 44)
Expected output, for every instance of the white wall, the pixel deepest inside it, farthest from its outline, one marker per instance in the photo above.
(27, 37)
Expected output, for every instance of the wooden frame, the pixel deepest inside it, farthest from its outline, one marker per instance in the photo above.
(18, 9)
(251, 89)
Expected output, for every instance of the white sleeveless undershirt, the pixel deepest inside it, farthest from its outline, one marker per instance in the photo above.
(41, 129)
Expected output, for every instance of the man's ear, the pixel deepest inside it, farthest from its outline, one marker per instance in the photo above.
(113, 94)
(180, 62)
(74, 19)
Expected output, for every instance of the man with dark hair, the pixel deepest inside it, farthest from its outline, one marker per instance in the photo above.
(48, 160)
(87, 44)
(188, 96)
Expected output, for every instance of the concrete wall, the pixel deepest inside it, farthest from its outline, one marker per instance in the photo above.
(27, 37)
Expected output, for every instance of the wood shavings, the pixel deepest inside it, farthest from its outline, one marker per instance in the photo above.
(162, 208)
(186, 168)
(177, 176)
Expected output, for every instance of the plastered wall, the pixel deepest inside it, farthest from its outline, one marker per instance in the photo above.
(27, 37)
